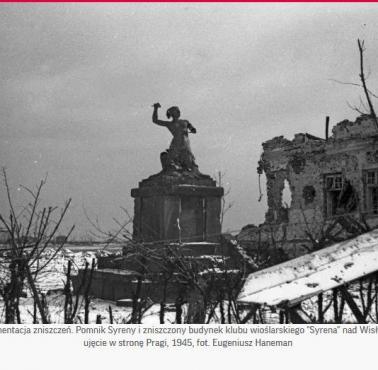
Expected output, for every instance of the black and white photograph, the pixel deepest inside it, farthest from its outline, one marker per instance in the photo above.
(189, 163)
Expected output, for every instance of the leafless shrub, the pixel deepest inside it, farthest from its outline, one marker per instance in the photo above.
(31, 232)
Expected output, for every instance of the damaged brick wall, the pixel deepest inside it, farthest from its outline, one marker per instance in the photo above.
(327, 178)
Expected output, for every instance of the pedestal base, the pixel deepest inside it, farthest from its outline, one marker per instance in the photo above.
(177, 207)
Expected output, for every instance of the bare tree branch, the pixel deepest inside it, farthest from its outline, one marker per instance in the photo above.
(361, 48)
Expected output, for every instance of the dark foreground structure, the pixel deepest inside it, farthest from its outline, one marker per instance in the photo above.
(348, 270)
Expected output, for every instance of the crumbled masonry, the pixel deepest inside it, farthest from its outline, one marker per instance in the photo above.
(327, 179)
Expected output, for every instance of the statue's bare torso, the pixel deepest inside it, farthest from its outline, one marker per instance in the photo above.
(179, 155)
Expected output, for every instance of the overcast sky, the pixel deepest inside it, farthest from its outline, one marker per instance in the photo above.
(78, 82)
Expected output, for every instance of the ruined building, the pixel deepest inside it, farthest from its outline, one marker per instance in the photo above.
(329, 180)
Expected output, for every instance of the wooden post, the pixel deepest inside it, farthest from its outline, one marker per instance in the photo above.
(335, 305)
(287, 316)
(110, 315)
(327, 128)
(320, 309)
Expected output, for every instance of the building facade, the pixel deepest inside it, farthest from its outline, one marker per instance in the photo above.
(329, 180)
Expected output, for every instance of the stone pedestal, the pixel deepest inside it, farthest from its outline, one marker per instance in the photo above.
(177, 206)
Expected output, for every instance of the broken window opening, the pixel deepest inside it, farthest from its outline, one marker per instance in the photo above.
(333, 187)
(371, 191)
(340, 195)
(286, 195)
(308, 194)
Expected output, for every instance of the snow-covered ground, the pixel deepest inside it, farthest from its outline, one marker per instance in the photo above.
(97, 307)
(51, 282)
